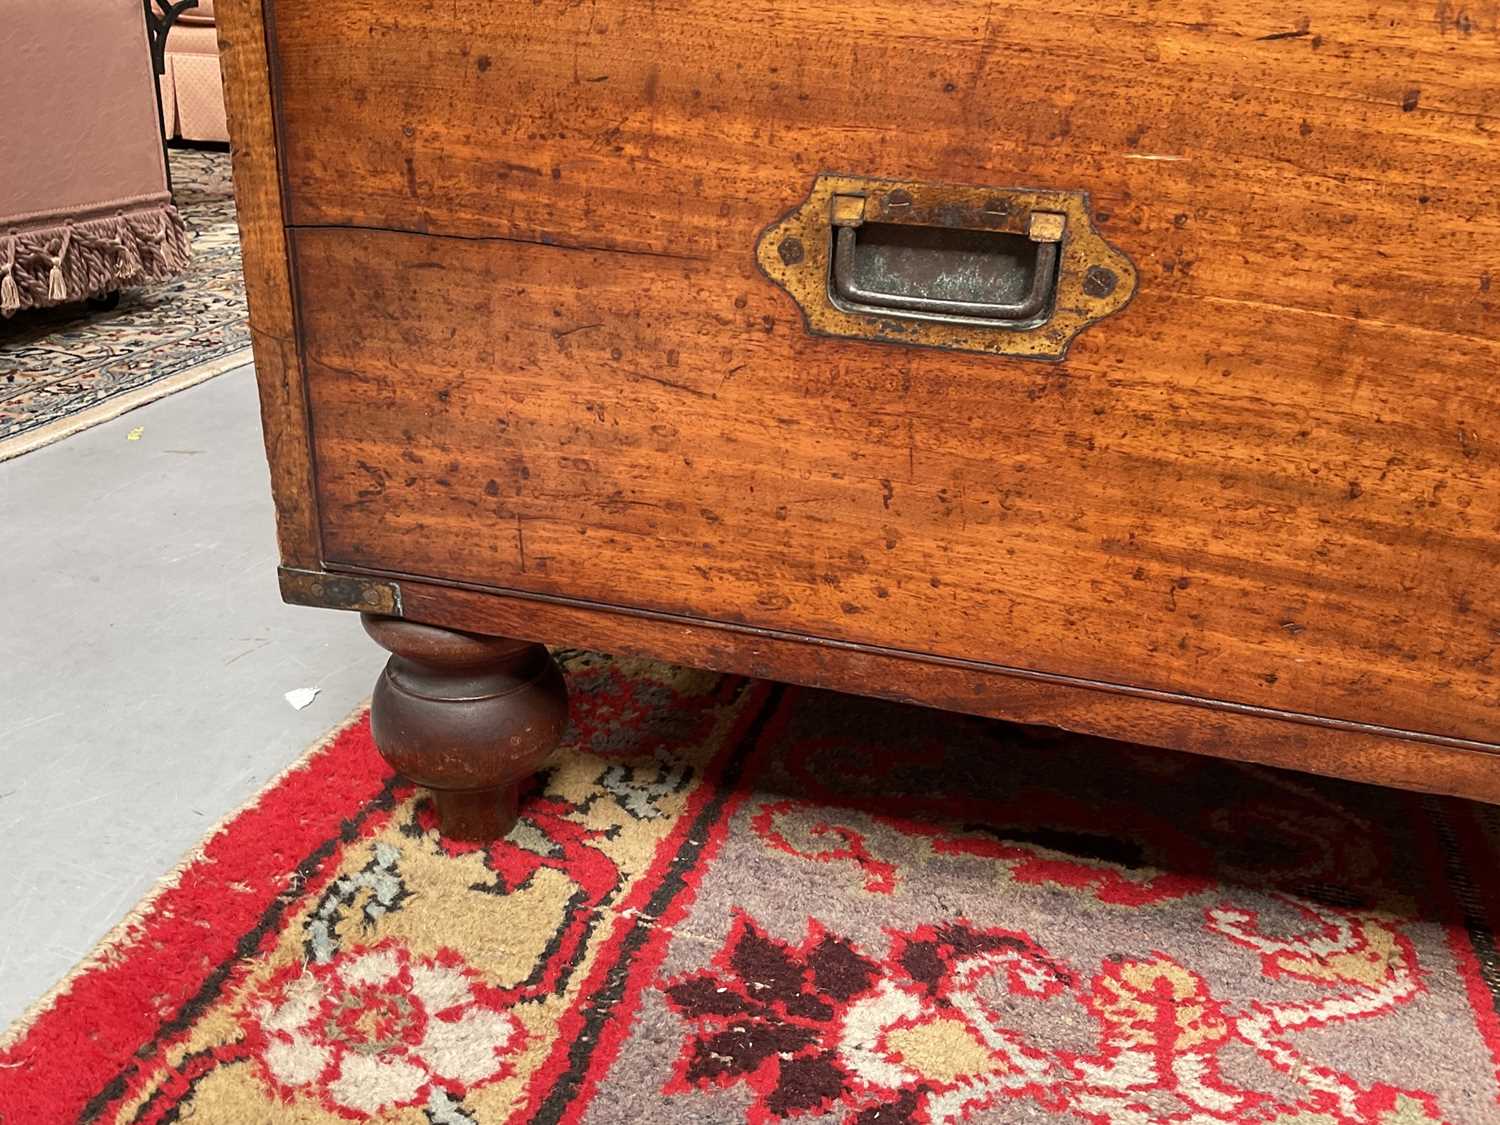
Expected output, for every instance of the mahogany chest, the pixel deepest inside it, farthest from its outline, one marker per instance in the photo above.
(1127, 367)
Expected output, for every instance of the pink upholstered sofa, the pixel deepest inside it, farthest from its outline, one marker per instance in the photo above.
(84, 206)
(192, 97)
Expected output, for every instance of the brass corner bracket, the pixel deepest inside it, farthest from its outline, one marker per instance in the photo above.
(339, 591)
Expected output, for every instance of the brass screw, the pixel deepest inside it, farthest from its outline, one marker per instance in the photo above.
(1099, 282)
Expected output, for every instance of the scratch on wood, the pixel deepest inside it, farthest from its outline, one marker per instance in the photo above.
(668, 383)
(729, 375)
(540, 239)
(559, 333)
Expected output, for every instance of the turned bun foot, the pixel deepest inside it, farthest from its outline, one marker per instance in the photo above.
(467, 716)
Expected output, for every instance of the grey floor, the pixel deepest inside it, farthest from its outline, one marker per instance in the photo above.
(144, 655)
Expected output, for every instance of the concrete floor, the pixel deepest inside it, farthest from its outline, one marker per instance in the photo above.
(144, 654)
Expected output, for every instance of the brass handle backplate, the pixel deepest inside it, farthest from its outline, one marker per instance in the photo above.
(1009, 271)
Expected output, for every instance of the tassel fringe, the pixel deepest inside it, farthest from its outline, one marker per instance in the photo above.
(130, 257)
(10, 296)
(75, 260)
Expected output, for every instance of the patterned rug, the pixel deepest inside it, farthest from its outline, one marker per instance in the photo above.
(68, 368)
(729, 901)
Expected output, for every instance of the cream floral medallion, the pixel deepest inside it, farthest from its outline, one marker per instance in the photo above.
(379, 1027)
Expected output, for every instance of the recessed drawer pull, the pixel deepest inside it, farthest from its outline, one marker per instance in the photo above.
(918, 262)
(1009, 271)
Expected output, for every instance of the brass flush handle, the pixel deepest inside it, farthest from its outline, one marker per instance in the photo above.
(1009, 271)
(970, 267)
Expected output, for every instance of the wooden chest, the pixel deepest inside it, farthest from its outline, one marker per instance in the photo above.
(1131, 368)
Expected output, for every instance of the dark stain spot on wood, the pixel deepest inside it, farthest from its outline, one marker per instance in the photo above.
(1305, 129)
(1271, 678)
(377, 480)
(849, 608)
(482, 63)
(887, 492)
(1409, 100)
(492, 488)
(709, 515)
(1450, 20)
(411, 177)
(1356, 490)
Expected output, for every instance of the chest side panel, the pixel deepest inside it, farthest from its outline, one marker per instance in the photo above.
(540, 355)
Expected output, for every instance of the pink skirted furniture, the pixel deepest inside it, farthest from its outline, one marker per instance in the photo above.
(84, 204)
(192, 91)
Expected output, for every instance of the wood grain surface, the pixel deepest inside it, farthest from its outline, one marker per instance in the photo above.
(1338, 752)
(268, 282)
(540, 356)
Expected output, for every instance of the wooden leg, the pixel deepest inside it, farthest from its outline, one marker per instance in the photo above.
(467, 716)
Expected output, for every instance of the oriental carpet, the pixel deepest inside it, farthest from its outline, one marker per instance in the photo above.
(729, 900)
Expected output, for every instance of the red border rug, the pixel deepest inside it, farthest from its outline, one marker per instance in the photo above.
(732, 901)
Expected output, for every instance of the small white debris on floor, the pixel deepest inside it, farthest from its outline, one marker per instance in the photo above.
(301, 698)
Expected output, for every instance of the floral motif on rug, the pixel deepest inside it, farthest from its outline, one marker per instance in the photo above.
(728, 900)
(60, 361)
